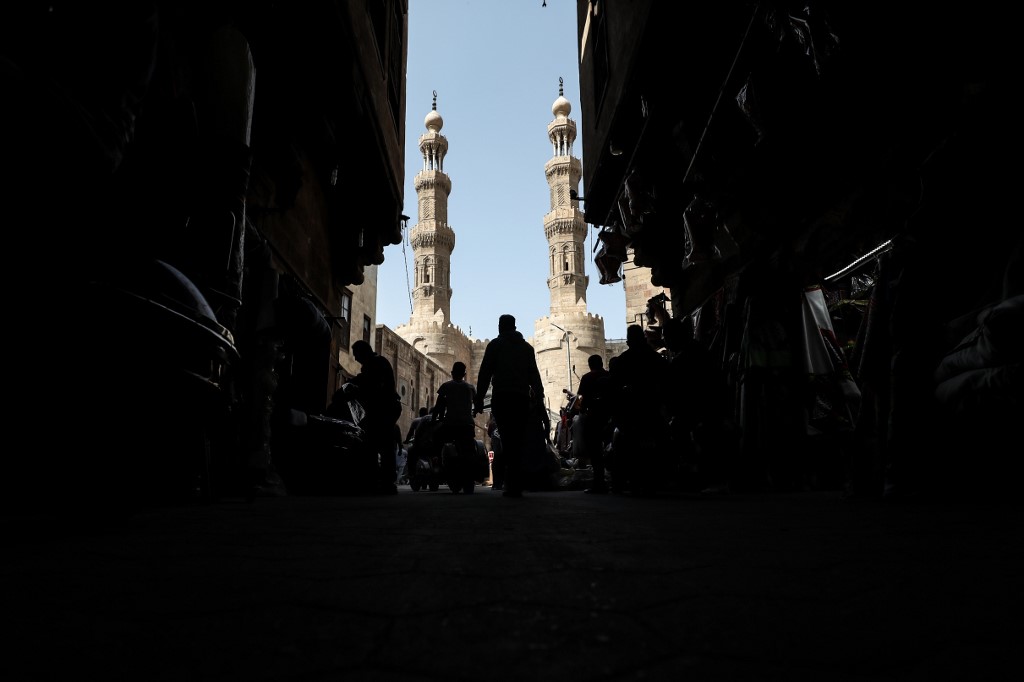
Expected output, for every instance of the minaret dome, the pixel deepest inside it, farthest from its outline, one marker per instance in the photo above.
(561, 108)
(433, 121)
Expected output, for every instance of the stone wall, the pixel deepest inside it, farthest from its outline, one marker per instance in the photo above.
(561, 367)
(637, 282)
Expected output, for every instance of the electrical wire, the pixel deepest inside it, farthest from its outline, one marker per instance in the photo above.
(405, 259)
(881, 248)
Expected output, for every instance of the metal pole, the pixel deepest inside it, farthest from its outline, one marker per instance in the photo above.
(568, 354)
(568, 361)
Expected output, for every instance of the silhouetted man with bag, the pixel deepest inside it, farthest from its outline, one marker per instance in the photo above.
(509, 369)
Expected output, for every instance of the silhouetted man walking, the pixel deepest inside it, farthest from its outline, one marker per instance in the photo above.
(376, 382)
(638, 377)
(509, 369)
(595, 401)
(456, 400)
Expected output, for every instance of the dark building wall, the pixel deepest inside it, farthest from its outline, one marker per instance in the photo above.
(206, 153)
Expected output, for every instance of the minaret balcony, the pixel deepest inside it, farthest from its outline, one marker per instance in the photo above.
(430, 234)
(563, 166)
(565, 221)
(430, 179)
(435, 141)
(564, 279)
(563, 124)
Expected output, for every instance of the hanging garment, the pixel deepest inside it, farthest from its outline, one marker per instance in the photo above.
(701, 222)
(836, 395)
(611, 254)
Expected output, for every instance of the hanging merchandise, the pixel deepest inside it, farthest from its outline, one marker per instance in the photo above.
(630, 224)
(861, 284)
(701, 223)
(746, 100)
(640, 197)
(836, 394)
(809, 28)
(611, 253)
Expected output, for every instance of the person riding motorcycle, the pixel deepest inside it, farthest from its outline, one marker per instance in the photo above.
(455, 401)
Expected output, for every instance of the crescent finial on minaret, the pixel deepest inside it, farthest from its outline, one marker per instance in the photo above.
(561, 107)
(433, 121)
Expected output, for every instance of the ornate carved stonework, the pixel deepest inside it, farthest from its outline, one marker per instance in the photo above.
(432, 180)
(562, 169)
(573, 226)
(559, 281)
(440, 237)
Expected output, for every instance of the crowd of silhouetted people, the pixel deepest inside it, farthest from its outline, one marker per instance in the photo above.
(641, 426)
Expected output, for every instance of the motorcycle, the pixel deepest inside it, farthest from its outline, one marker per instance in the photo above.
(326, 454)
(435, 460)
(424, 466)
(462, 468)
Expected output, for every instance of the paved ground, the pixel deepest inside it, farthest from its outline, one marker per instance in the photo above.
(554, 586)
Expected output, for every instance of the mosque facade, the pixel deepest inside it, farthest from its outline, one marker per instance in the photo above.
(568, 335)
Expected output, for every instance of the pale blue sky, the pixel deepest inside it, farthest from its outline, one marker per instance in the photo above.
(495, 66)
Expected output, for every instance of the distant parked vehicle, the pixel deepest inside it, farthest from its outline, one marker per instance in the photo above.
(424, 461)
(325, 455)
(463, 468)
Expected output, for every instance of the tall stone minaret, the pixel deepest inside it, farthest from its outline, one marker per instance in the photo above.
(565, 338)
(431, 238)
(430, 330)
(564, 227)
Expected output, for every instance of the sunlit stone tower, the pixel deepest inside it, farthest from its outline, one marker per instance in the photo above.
(569, 334)
(430, 329)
